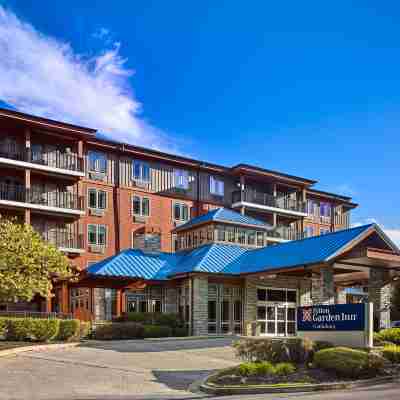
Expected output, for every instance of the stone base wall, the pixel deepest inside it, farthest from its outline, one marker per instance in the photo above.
(200, 306)
(379, 293)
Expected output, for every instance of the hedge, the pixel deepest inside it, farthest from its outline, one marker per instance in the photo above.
(265, 368)
(155, 331)
(69, 330)
(39, 329)
(392, 353)
(118, 331)
(391, 335)
(348, 363)
(164, 319)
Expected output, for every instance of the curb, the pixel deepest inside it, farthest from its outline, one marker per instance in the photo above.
(261, 389)
(43, 347)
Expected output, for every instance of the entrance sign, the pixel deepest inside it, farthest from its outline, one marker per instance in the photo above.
(340, 317)
(340, 324)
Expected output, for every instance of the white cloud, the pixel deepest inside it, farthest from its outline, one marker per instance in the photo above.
(44, 76)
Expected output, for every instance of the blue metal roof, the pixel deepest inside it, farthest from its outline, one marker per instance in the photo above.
(227, 258)
(224, 215)
(299, 252)
(135, 263)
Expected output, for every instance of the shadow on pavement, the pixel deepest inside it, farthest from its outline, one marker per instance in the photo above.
(180, 380)
(155, 345)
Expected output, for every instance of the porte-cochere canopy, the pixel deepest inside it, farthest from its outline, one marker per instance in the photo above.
(351, 250)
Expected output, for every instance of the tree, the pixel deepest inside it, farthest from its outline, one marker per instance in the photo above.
(28, 264)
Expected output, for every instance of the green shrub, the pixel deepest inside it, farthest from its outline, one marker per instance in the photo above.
(284, 368)
(19, 329)
(84, 329)
(265, 368)
(43, 330)
(144, 318)
(391, 335)
(248, 369)
(69, 330)
(392, 353)
(180, 331)
(321, 345)
(164, 319)
(3, 327)
(348, 363)
(118, 331)
(156, 331)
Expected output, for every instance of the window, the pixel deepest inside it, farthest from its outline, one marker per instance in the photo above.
(324, 231)
(141, 171)
(181, 179)
(260, 239)
(216, 186)
(309, 231)
(251, 238)
(140, 206)
(97, 199)
(325, 209)
(97, 234)
(97, 162)
(180, 212)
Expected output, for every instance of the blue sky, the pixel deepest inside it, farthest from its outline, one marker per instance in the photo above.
(306, 88)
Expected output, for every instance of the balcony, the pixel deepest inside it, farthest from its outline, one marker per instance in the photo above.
(266, 202)
(64, 240)
(17, 196)
(54, 162)
(283, 234)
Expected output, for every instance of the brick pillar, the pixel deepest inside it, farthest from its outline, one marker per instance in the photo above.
(64, 298)
(200, 306)
(323, 286)
(379, 293)
(48, 304)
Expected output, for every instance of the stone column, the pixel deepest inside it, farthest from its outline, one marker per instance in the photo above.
(305, 298)
(379, 293)
(200, 306)
(250, 308)
(341, 296)
(171, 300)
(323, 286)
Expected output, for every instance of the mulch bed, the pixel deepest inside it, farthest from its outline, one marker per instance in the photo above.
(301, 375)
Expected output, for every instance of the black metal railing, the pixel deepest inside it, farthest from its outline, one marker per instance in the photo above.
(33, 196)
(266, 199)
(55, 159)
(286, 233)
(61, 238)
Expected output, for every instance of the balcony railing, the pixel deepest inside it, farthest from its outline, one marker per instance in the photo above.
(285, 233)
(57, 159)
(63, 239)
(19, 193)
(268, 200)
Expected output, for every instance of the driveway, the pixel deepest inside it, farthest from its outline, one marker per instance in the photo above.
(111, 370)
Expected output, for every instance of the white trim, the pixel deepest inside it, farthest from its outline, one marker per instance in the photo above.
(276, 240)
(41, 207)
(268, 208)
(71, 250)
(141, 197)
(97, 200)
(24, 164)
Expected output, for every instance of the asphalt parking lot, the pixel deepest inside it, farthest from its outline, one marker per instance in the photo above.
(112, 370)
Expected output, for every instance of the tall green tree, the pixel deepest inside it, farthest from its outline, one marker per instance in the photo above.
(28, 264)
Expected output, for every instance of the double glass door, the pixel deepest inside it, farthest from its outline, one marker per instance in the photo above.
(276, 312)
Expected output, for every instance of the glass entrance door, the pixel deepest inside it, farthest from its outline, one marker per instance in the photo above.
(277, 318)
